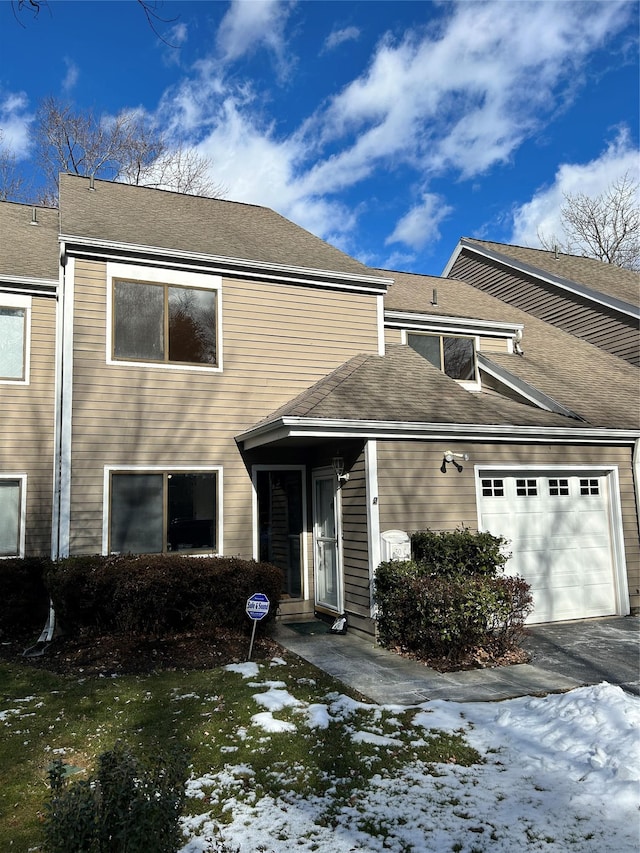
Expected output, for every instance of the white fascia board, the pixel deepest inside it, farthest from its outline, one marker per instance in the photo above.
(452, 260)
(558, 281)
(28, 286)
(436, 323)
(282, 273)
(298, 427)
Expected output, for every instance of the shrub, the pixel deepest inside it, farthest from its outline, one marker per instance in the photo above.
(452, 598)
(156, 594)
(129, 806)
(460, 551)
(24, 601)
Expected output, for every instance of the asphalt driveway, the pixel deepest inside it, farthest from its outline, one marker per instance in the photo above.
(589, 651)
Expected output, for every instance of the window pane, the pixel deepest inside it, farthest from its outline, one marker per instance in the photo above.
(12, 343)
(428, 346)
(191, 509)
(9, 518)
(458, 358)
(138, 321)
(136, 513)
(192, 325)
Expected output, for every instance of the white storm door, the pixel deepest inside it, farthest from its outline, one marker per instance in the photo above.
(326, 542)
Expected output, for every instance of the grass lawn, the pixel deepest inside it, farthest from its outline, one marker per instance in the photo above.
(210, 713)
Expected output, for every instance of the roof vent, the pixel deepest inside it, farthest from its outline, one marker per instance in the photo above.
(434, 300)
(92, 183)
(34, 216)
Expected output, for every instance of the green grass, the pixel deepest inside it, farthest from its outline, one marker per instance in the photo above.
(44, 716)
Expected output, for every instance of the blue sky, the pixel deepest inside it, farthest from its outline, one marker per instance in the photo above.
(390, 129)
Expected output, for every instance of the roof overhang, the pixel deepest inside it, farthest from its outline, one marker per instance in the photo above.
(285, 428)
(444, 324)
(28, 286)
(94, 249)
(559, 281)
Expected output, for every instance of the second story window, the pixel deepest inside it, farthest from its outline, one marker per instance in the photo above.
(452, 354)
(164, 323)
(14, 338)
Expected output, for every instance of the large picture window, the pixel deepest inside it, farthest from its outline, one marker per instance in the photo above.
(160, 512)
(11, 491)
(164, 323)
(452, 354)
(14, 327)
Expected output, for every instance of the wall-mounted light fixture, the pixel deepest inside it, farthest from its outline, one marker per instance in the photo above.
(337, 464)
(450, 457)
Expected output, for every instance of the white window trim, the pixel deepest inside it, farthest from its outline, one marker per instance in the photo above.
(12, 300)
(305, 530)
(177, 278)
(22, 525)
(163, 469)
(612, 477)
(466, 384)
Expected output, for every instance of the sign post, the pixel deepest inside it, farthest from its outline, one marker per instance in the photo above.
(257, 608)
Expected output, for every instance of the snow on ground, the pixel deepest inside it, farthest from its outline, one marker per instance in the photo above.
(561, 773)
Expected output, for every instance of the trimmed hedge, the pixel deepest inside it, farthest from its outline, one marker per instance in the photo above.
(157, 594)
(24, 600)
(452, 598)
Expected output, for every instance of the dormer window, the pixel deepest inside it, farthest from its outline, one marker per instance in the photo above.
(454, 355)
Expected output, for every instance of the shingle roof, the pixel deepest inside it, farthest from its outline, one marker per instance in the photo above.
(28, 251)
(601, 277)
(602, 389)
(121, 213)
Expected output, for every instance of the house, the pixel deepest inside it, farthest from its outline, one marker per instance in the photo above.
(227, 383)
(586, 297)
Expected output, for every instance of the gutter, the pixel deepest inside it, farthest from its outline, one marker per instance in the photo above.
(297, 427)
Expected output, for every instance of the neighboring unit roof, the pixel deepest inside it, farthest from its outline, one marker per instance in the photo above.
(598, 387)
(595, 275)
(124, 214)
(29, 242)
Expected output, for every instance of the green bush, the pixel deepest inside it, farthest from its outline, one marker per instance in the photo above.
(129, 806)
(452, 598)
(24, 600)
(460, 552)
(158, 594)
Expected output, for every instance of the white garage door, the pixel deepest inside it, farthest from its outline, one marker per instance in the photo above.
(560, 533)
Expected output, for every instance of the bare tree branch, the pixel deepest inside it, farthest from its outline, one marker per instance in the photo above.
(606, 227)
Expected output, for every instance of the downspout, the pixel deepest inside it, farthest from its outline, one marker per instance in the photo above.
(636, 476)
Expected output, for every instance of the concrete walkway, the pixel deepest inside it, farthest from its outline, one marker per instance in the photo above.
(564, 656)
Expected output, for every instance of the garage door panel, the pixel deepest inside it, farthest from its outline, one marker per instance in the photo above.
(560, 543)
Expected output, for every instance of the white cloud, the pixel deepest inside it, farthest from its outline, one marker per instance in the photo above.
(338, 37)
(421, 224)
(15, 121)
(250, 24)
(71, 77)
(542, 213)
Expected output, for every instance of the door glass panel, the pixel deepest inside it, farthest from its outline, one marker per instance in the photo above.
(136, 513)
(280, 524)
(326, 547)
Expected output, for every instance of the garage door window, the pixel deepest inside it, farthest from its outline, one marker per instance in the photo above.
(558, 487)
(526, 488)
(589, 487)
(493, 488)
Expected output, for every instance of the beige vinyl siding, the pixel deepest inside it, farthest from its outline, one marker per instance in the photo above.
(28, 421)
(392, 336)
(488, 344)
(355, 548)
(277, 340)
(613, 332)
(414, 494)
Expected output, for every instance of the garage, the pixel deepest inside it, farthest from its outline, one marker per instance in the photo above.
(559, 525)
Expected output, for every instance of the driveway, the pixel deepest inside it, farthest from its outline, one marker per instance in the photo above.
(589, 651)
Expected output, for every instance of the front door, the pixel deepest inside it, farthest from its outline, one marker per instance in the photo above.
(326, 542)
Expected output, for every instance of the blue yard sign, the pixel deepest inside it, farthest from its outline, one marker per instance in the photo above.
(257, 608)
